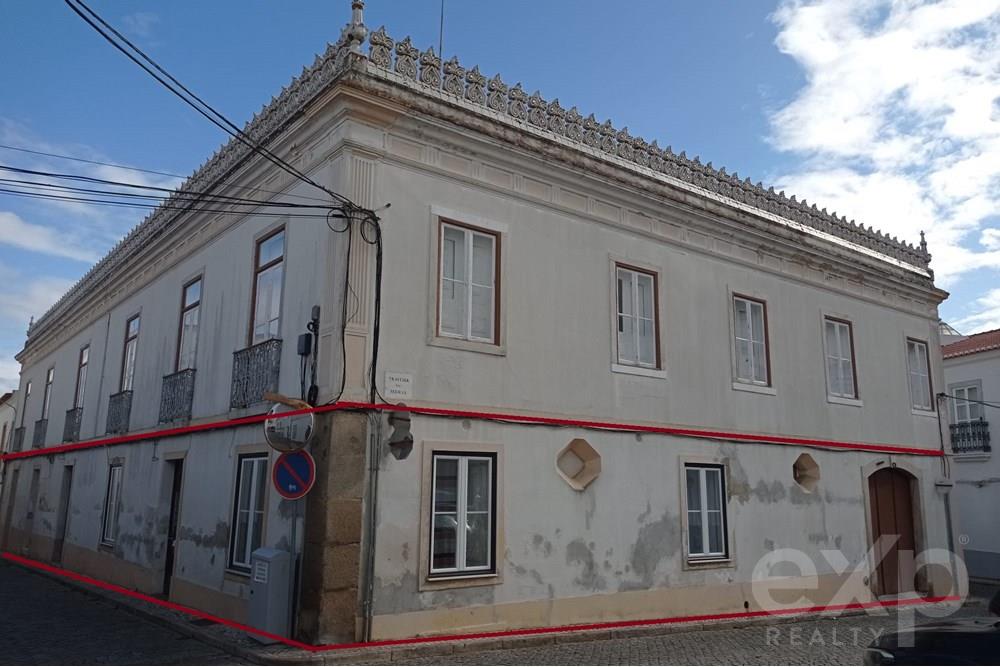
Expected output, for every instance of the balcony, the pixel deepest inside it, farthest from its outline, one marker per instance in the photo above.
(177, 396)
(255, 371)
(119, 411)
(17, 442)
(38, 435)
(970, 437)
(71, 428)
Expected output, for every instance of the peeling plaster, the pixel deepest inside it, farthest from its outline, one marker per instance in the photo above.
(579, 553)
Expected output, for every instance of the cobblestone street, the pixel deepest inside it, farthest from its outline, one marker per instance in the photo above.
(48, 623)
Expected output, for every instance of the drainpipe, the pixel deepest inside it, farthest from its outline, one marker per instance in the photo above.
(371, 505)
(945, 470)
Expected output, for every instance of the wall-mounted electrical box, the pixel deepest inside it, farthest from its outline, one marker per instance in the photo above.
(270, 592)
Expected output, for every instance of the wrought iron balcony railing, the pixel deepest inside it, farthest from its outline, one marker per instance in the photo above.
(17, 441)
(177, 396)
(71, 428)
(38, 435)
(970, 437)
(255, 371)
(119, 411)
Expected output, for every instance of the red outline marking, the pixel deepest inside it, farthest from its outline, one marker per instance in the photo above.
(283, 461)
(471, 414)
(317, 648)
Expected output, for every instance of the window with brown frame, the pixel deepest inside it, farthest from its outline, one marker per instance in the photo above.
(637, 318)
(128, 353)
(81, 376)
(841, 379)
(918, 366)
(265, 316)
(753, 362)
(187, 338)
(468, 283)
(47, 393)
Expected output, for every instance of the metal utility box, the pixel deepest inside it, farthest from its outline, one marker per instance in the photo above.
(270, 592)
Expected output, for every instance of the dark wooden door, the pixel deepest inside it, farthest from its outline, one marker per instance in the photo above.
(890, 492)
(175, 507)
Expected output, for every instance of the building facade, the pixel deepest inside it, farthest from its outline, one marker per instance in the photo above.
(629, 377)
(972, 382)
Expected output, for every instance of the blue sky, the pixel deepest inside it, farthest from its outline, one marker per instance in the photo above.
(888, 112)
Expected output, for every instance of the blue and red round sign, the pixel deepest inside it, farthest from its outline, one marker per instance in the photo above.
(294, 473)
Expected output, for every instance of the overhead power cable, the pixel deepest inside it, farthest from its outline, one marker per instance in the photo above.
(971, 400)
(149, 171)
(136, 55)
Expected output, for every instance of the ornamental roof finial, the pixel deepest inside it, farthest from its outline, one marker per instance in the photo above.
(356, 31)
(923, 242)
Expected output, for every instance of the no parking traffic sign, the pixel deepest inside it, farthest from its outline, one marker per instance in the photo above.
(294, 474)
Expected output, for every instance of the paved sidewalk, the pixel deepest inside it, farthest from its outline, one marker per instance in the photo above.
(46, 622)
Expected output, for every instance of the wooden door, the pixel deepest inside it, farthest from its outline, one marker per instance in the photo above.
(177, 474)
(890, 493)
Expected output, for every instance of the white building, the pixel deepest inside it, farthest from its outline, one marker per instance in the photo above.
(972, 381)
(769, 366)
(8, 422)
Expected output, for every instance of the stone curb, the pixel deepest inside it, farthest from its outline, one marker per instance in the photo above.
(393, 654)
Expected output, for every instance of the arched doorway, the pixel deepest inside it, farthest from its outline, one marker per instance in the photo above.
(890, 492)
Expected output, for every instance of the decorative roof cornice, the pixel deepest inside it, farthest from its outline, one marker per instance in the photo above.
(425, 70)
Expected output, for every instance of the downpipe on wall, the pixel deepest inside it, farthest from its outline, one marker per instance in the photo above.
(371, 508)
(946, 490)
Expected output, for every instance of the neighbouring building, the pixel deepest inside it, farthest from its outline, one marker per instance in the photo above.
(765, 372)
(972, 382)
(8, 422)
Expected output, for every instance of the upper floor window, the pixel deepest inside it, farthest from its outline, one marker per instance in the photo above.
(706, 511)
(187, 343)
(840, 378)
(265, 319)
(918, 365)
(247, 531)
(24, 405)
(81, 376)
(468, 286)
(637, 323)
(112, 498)
(750, 330)
(463, 530)
(128, 353)
(967, 405)
(47, 392)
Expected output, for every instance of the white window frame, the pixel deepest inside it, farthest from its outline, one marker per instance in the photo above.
(751, 302)
(461, 513)
(961, 399)
(470, 233)
(636, 316)
(840, 327)
(924, 374)
(705, 555)
(254, 459)
(112, 504)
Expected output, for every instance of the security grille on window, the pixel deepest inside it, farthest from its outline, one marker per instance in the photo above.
(637, 322)
(706, 512)
(47, 393)
(750, 327)
(840, 379)
(467, 291)
(248, 512)
(462, 526)
(109, 528)
(920, 378)
(128, 355)
(187, 344)
(265, 320)
(81, 376)
(967, 408)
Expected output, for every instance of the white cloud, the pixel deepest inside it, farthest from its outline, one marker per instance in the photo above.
(22, 299)
(140, 24)
(986, 316)
(37, 238)
(899, 119)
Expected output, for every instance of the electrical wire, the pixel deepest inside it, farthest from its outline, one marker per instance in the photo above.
(971, 400)
(150, 171)
(191, 99)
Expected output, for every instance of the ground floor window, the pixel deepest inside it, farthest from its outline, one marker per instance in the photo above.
(463, 526)
(706, 511)
(109, 527)
(248, 510)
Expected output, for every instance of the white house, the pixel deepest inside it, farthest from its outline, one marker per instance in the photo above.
(633, 375)
(972, 382)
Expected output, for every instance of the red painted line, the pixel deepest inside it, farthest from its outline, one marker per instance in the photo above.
(670, 620)
(496, 416)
